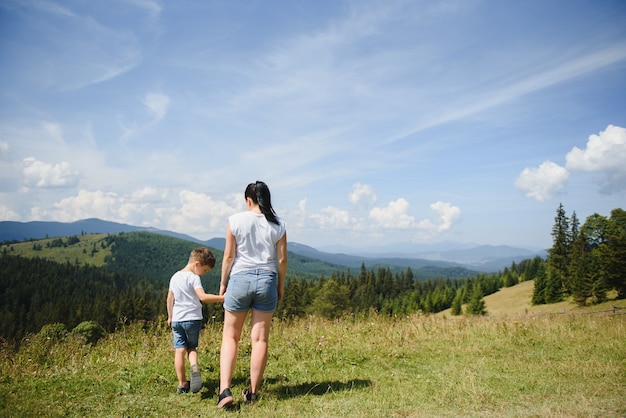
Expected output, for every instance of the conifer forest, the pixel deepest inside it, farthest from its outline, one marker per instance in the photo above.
(586, 261)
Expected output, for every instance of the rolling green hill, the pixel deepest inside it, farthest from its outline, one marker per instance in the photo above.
(123, 277)
(303, 260)
(143, 253)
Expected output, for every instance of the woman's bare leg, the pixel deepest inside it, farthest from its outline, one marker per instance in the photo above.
(233, 324)
(261, 323)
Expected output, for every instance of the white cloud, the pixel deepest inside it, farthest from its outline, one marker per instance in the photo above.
(200, 213)
(448, 215)
(333, 218)
(6, 214)
(362, 196)
(151, 7)
(302, 205)
(395, 215)
(53, 131)
(86, 205)
(41, 174)
(196, 214)
(543, 182)
(157, 104)
(605, 153)
(4, 150)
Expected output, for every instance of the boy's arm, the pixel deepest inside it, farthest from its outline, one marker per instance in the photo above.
(170, 307)
(208, 297)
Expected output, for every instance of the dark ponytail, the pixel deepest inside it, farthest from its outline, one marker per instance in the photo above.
(260, 194)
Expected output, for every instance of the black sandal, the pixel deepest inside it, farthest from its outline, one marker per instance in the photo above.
(183, 389)
(225, 398)
(249, 397)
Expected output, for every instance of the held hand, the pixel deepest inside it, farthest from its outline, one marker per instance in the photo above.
(222, 289)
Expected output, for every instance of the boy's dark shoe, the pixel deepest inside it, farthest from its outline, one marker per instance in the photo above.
(249, 397)
(183, 389)
(225, 398)
(196, 380)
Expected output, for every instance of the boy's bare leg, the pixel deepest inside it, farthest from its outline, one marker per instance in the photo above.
(192, 355)
(179, 365)
(261, 323)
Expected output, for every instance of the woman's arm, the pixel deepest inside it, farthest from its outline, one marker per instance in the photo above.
(230, 251)
(281, 257)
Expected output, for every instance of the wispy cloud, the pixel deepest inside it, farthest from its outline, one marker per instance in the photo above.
(517, 85)
(75, 49)
(157, 104)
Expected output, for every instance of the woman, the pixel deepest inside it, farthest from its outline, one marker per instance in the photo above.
(253, 275)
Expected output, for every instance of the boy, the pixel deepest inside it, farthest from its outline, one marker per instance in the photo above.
(184, 315)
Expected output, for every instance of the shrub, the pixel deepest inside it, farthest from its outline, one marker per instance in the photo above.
(90, 331)
(53, 332)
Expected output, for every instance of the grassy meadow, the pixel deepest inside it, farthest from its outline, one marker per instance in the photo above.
(83, 251)
(506, 364)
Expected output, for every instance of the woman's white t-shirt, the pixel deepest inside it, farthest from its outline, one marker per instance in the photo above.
(256, 240)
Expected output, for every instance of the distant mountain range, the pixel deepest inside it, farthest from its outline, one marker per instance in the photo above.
(482, 258)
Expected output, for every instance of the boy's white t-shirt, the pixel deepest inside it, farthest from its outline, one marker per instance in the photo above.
(256, 240)
(187, 306)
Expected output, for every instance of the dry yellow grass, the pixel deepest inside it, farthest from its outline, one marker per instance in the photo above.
(516, 301)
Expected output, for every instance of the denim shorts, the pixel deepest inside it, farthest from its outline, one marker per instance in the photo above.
(186, 334)
(256, 289)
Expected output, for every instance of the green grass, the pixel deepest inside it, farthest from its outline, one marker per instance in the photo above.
(417, 366)
(81, 251)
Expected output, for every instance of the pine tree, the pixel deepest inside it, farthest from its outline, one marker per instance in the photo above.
(581, 275)
(558, 255)
(554, 287)
(613, 254)
(539, 289)
(457, 303)
(476, 305)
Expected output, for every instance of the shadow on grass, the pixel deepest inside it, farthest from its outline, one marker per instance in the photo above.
(319, 388)
(286, 391)
(209, 389)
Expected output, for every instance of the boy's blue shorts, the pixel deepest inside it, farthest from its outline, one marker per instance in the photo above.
(256, 289)
(186, 334)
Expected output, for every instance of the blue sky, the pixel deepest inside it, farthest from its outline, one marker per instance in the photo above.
(372, 122)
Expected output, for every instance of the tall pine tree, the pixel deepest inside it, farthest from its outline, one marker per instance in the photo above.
(614, 253)
(558, 254)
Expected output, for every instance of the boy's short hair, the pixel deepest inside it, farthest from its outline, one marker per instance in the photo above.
(204, 256)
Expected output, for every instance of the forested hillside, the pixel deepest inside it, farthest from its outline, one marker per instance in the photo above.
(110, 279)
(35, 292)
(118, 278)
